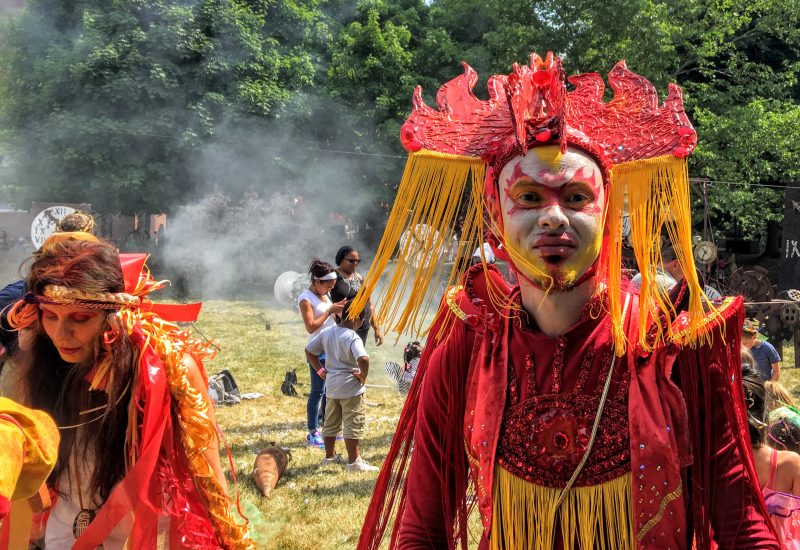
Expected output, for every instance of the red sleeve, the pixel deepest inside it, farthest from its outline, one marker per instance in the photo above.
(738, 517)
(436, 479)
(726, 502)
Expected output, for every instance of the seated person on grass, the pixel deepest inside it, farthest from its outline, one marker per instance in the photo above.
(345, 372)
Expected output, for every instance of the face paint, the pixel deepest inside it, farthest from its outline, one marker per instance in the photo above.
(552, 212)
(74, 330)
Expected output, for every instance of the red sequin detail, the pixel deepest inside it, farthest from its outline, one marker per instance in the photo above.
(558, 364)
(544, 437)
(632, 126)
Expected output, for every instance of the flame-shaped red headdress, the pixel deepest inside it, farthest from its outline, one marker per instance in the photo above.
(532, 105)
(459, 148)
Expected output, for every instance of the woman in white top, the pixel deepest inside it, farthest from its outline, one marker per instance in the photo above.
(317, 311)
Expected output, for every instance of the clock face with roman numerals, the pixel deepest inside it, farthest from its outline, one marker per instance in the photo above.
(45, 222)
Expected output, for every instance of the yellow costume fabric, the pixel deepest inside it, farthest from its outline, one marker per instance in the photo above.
(29, 442)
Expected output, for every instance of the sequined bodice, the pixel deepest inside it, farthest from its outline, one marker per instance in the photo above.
(544, 435)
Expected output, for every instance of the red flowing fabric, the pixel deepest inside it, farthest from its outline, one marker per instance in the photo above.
(160, 471)
(132, 267)
(389, 496)
(728, 508)
(132, 271)
(135, 491)
(176, 313)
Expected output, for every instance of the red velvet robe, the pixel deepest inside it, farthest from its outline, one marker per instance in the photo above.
(693, 475)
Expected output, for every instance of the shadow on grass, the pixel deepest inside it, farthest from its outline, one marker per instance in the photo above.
(356, 487)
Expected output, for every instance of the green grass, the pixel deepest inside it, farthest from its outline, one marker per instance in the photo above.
(790, 376)
(312, 506)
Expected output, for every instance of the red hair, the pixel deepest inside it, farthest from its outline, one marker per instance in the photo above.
(78, 264)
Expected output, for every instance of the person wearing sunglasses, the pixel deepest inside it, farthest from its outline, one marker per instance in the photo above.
(348, 283)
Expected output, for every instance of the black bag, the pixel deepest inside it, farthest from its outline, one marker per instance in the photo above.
(287, 387)
(223, 389)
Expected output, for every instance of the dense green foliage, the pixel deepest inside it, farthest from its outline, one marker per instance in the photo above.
(124, 103)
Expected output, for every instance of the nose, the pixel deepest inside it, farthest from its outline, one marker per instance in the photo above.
(553, 217)
(63, 330)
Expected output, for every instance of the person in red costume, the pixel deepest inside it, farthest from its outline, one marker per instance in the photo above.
(138, 460)
(570, 411)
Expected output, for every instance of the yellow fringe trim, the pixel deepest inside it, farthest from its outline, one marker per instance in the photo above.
(657, 192)
(596, 517)
(197, 432)
(435, 191)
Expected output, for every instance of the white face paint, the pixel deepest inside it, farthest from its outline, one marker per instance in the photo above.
(552, 212)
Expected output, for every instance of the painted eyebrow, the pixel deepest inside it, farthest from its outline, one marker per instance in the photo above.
(527, 180)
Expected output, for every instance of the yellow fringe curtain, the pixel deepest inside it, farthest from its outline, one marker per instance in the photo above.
(657, 192)
(435, 191)
(597, 517)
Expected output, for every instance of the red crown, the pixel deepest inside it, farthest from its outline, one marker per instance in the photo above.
(531, 105)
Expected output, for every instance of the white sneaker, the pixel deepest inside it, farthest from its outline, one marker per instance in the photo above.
(335, 459)
(358, 465)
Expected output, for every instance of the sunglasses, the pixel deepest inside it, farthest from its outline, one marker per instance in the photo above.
(353, 260)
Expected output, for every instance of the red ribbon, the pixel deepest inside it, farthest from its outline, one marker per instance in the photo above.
(139, 489)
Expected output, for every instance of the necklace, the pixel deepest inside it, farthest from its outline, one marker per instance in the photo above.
(597, 417)
(86, 515)
(99, 416)
(353, 284)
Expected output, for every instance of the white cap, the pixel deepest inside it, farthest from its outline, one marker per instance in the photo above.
(487, 253)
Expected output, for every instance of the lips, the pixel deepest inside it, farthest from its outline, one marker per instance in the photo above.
(555, 245)
(69, 351)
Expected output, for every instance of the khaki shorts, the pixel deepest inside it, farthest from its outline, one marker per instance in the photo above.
(350, 412)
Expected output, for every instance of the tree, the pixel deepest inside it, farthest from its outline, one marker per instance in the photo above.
(737, 62)
(110, 102)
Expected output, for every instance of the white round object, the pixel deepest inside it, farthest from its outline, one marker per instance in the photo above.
(284, 287)
(413, 246)
(705, 252)
(44, 224)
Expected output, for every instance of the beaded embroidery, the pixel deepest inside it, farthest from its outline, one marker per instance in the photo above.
(543, 436)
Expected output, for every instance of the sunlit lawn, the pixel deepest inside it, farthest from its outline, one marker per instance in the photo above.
(790, 376)
(313, 506)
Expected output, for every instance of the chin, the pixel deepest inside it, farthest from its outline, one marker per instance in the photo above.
(560, 276)
(73, 357)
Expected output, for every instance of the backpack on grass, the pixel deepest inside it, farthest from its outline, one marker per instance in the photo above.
(287, 387)
(223, 389)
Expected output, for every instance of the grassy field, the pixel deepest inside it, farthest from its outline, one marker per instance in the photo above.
(312, 506)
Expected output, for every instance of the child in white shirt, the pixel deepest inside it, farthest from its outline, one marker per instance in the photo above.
(345, 372)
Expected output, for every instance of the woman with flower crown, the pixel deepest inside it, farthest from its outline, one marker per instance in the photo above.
(138, 462)
(570, 410)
